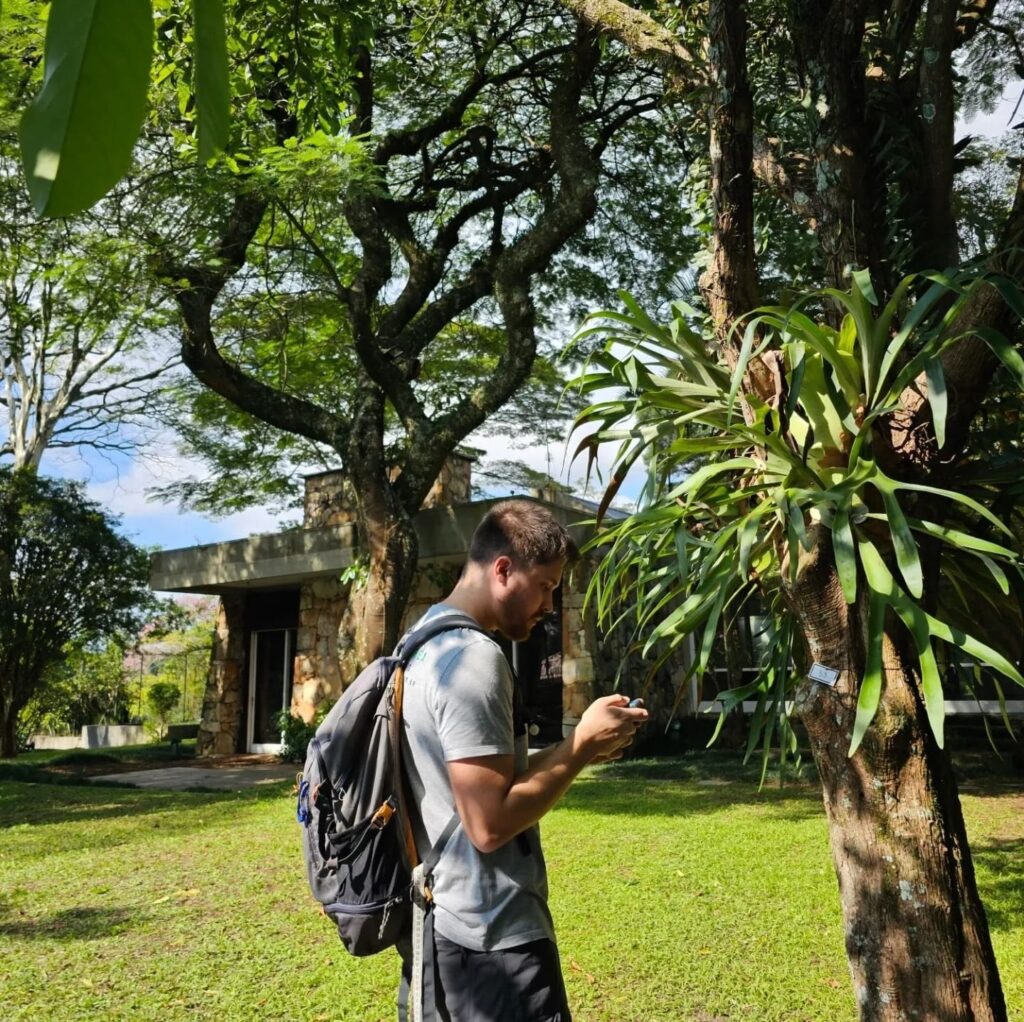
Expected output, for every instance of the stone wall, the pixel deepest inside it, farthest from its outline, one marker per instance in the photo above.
(579, 645)
(225, 685)
(327, 501)
(433, 582)
(317, 677)
(454, 484)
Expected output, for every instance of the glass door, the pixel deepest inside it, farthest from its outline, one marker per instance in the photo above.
(271, 662)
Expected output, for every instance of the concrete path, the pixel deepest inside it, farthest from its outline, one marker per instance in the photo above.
(181, 778)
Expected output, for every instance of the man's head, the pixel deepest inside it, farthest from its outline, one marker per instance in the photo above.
(520, 549)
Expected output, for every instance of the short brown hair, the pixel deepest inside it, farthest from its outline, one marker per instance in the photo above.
(523, 530)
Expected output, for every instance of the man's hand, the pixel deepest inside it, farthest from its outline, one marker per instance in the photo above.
(607, 727)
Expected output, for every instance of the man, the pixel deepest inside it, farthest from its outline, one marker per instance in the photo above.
(464, 746)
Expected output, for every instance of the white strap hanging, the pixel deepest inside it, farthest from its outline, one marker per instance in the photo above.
(419, 913)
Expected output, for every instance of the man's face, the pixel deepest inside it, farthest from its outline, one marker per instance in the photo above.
(524, 595)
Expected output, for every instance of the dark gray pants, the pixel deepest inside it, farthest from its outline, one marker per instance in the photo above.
(520, 984)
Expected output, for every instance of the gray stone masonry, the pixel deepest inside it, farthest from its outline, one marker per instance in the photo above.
(225, 687)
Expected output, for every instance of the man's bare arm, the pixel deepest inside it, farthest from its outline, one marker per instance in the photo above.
(495, 805)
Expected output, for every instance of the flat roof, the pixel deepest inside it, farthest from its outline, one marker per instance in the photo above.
(293, 556)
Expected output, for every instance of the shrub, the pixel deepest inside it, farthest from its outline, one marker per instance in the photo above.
(296, 733)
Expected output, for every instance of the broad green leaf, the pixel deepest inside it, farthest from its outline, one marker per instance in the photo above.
(960, 498)
(997, 573)
(78, 133)
(862, 280)
(748, 537)
(845, 554)
(741, 364)
(931, 683)
(937, 398)
(916, 315)
(640, 319)
(213, 92)
(977, 649)
(825, 421)
(880, 331)
(693, 484)
(1005, 351)
(902, 538)
(707, 641)
(1011, 293)
(870, 695)
(961, 539)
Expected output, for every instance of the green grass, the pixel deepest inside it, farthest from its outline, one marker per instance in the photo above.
(694, 899)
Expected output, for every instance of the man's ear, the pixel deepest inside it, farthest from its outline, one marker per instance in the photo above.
(502, 568)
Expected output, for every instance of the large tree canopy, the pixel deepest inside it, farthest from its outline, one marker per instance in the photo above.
(372, 269)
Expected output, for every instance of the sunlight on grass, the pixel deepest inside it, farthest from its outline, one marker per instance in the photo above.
(683, 900)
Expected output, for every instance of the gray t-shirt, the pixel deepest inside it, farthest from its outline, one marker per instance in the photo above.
(458, 704)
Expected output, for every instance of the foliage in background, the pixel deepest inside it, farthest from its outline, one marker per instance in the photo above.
(161, 698)
(174, 648)
(66, 577)
(88, 686)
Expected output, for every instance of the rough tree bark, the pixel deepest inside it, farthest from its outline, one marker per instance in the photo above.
(916, 936)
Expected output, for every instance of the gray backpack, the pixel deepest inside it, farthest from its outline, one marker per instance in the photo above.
(358, 842)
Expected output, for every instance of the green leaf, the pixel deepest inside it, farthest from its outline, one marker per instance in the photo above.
(78, 133)
(741, 364)
(862, 279)
(937, 398)
(870, 694)
(963, 540)
(997, 573)
(931, 683)
(976, 648)
(960, 498)
(693, 483)
(902, 538)
(748, 537)
(846, 556)
(213, 92)
(1012, 294)
(1005, 351)
(922, 306)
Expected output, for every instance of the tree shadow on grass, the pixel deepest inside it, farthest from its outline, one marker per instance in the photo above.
(80, 923)
(1002, 881)
(29, 805)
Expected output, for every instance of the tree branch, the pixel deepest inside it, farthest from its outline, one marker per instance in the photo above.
(648, 40)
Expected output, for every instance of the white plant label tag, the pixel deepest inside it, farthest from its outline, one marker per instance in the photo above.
(823, 675)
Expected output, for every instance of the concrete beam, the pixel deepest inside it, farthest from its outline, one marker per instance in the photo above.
(299, 555)
(275, 559)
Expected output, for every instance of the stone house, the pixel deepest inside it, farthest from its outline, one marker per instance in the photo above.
(282, 596)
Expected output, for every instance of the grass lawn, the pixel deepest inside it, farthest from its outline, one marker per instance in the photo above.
(679, 896)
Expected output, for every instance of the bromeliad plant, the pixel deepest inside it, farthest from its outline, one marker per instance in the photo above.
(741, 484)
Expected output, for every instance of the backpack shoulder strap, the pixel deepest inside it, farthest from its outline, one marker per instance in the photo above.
(407, 648)
(404, 652)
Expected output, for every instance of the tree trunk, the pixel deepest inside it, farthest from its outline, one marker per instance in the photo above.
(372, 620)
(916, 934)
(8, 733)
